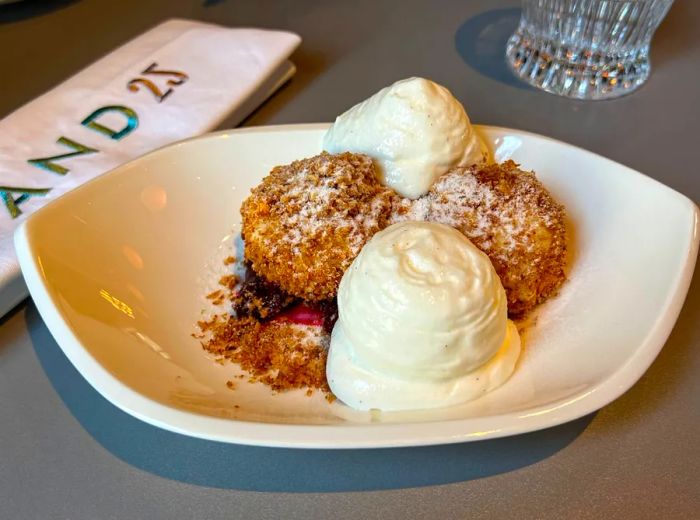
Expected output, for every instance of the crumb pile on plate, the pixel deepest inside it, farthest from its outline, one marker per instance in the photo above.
(270, 334)
(281, 354)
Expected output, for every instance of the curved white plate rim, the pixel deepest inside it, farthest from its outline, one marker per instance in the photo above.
(352, 435)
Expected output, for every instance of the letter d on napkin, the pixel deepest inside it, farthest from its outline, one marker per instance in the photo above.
(175, 81)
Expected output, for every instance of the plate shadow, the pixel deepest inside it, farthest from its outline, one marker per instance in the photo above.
(221, 465)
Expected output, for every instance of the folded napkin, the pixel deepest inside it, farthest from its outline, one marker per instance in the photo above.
(177, 80)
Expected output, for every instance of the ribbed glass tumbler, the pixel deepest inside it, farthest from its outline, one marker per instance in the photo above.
(585, 49)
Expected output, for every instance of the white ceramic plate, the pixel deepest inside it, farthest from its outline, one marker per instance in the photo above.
(118, 269)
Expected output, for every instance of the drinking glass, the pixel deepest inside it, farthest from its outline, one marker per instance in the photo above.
(585, 49)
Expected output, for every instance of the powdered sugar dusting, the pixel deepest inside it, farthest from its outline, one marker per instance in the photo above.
(316, 215)
(510, 216)
(308, 220)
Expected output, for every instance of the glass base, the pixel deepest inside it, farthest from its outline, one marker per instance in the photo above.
(576, 73)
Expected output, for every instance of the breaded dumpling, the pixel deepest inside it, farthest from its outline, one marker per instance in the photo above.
(508, 214)
(305, 222)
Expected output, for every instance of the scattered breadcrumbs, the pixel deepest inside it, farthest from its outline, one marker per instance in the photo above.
(217, 297)
(279, 354)
(229, 281)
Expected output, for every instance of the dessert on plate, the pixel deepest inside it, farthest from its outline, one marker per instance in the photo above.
(414, 131)
(422, 322)
(389, 264)
(508, 214)
(306, 221)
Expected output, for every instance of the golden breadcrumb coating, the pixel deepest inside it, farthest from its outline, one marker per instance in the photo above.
(508, 214)
(305, 222)
(511, 217)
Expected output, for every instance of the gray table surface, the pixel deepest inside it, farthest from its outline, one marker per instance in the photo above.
(67, 453)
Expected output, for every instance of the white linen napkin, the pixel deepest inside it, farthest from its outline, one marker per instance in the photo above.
(177, 80)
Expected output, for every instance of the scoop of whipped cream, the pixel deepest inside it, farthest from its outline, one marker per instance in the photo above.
(422, 322)
(415, 131)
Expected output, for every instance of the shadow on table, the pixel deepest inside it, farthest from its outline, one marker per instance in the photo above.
(481, 43)
(19, 10)
(309, 65)
(7, 333)
(214, 464)
(676, 37)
